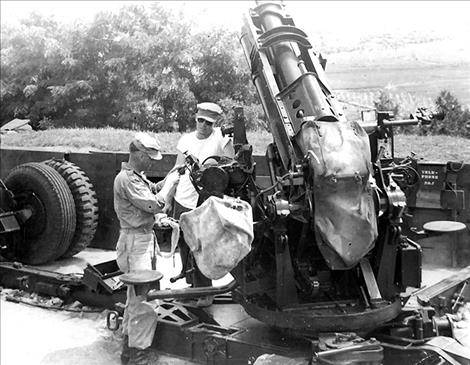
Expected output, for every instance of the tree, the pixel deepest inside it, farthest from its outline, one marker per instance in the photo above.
(158, 62)
(456, 120)
(220, 69)
(142, 67)
(386, 103)
(31, 55)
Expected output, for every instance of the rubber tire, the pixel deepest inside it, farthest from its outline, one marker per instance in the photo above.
(59, 209)
(86, 204)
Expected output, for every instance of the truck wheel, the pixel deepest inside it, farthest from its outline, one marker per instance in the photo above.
(86, 204)
(47, 234)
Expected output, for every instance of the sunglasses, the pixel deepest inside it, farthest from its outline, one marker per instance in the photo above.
(200, 120)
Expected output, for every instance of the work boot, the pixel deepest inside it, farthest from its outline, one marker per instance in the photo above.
(126, 352)
(139, 356)
(205, 301)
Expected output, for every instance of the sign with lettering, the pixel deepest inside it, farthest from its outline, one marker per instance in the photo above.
(432, 177)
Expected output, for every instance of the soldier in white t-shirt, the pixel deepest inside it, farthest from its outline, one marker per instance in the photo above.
(204, 142)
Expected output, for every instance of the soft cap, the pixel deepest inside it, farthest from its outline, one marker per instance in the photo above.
(209, 111)
(148, 144)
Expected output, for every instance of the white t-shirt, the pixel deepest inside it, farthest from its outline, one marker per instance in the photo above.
(213, 145)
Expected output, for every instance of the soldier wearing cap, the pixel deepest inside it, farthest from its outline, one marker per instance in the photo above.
(207, 140)
(136, 202)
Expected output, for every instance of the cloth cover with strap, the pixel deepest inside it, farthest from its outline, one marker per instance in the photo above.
(163, 220)
(219, 233)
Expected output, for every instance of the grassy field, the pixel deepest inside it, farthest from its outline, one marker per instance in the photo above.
(423, 69)
(420, 83)
(355, 101)
(430, 148)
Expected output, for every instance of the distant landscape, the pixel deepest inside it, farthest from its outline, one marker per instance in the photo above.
(418, 82)
(416, 66)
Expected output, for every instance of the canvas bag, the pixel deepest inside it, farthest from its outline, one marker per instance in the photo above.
(219, 233)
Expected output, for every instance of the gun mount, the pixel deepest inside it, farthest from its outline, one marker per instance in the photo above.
(328, 253)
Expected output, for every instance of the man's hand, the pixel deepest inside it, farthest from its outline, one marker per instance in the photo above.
(158, 219)
(159, 185)
(173, 178)
(168, 207)
(160, 200)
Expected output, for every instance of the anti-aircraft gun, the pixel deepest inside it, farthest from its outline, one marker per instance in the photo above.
(328, 252)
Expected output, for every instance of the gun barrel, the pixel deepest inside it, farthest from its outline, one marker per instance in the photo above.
(286, 62)
(287, 74)
(371, 127)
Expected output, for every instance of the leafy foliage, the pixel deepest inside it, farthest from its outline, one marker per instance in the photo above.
(221, 70)
(386, 103)
(456, 120)
(254, 114)
(142, 68)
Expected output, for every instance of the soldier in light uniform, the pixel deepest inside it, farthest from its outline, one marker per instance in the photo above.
(136, 202)
(206, 141)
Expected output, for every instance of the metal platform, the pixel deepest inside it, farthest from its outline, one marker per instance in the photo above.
(226, 335)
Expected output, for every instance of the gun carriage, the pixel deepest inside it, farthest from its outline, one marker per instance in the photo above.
(328, 253)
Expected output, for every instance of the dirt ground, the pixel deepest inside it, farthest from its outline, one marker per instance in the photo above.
(31, 335)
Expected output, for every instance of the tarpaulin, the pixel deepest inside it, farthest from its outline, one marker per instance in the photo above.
(219, 233)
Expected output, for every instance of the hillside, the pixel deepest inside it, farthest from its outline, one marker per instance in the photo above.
(420, 64)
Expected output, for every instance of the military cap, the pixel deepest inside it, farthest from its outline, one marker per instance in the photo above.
(209, 111)
(149, 144)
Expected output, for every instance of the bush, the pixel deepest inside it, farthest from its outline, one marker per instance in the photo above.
(456, 120)
(386, 103)
(254, 114)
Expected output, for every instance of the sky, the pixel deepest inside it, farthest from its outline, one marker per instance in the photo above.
(345, 18)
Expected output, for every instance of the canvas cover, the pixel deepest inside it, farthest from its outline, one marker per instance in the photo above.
(345, 221)
(219, 233)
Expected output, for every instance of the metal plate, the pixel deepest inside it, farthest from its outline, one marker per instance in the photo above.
(444, 226)
(141, 277)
